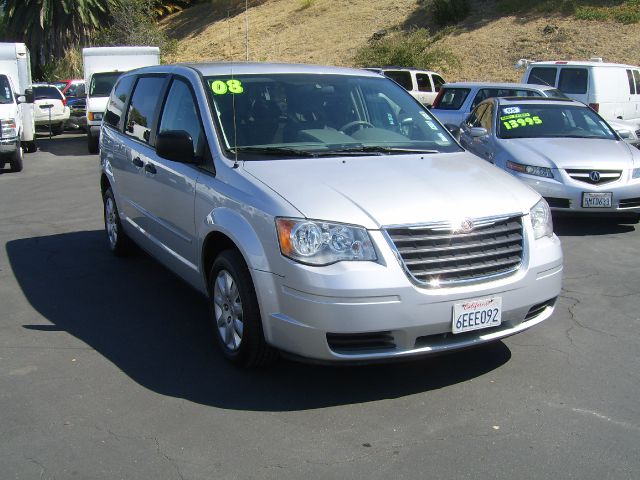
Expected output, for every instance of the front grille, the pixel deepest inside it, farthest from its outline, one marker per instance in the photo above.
(539, 308)
(584, 175)
(558, 202)
(630, 202)
(357, 342)
(438, 254)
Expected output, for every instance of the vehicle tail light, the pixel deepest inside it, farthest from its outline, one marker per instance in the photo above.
(64, 101)
(436, 101)
(595, 107)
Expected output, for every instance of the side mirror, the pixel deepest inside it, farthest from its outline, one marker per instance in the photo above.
(453, 129)
(28, 95)
(176, 145)
(624, 133)
(477, 132)
(21, 99)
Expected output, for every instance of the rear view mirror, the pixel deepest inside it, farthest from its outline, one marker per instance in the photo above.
(21, 99)
(476, 132)
(176, 145)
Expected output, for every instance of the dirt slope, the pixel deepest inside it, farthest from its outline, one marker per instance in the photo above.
(330, 31)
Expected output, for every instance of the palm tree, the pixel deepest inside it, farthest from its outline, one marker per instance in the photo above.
(51, 27)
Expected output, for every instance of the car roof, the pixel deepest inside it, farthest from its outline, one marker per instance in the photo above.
(529, 86)
(572, 63)
(535, 101)
(247, 68)
(408, 69)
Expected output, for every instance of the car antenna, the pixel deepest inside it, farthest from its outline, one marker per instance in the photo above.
(246, 28)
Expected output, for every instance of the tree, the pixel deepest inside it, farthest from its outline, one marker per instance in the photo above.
(51, 27)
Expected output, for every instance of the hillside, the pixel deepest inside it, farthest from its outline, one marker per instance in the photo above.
(486, 44)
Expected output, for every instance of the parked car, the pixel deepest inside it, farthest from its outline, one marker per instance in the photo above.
(456, 100)
(611, 89)
(423, 85)
(561, 148)
(50, 107)
(324, 212)
(71, 88)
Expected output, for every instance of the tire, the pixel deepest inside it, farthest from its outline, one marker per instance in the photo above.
(30, 147)
(92, 143)
(57, 129)
(235, 314)
(16, 160)
(118, 242)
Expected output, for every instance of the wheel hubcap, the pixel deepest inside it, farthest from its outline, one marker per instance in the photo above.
(111, 222)
(228, 310)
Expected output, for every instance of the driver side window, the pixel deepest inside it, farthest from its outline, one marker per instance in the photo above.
(473, 120)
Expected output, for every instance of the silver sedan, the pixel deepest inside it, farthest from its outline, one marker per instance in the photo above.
(562, 149)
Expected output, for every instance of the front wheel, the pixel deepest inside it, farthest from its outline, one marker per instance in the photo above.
(16, 161)
(118, 242)
(92, 143)
(235, 314)
(30, 147)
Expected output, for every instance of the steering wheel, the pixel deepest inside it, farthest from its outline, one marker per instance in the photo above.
(357, 123)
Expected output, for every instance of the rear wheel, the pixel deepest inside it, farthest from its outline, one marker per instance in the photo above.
(117, 240)
(30, 147)
(16, 160)
(92, 143)
(235, 314)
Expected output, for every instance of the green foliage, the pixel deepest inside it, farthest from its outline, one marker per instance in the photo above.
(449, 12)
(307, 3)
(412, 49)
(623, 11)
(70, 66)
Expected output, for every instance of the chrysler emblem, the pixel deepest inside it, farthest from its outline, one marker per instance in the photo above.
(594, 176)
(466, 226)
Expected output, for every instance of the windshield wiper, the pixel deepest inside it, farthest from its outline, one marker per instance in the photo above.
(275, 151)
(382, 150)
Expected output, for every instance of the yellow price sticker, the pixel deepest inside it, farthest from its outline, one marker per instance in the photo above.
(223, 87)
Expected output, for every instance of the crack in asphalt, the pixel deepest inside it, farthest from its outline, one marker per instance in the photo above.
(573, 317)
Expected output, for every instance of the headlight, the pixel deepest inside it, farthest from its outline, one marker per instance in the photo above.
(9, 129)
(541, 219)
(635, 173)
(315, 242)
(530, 169)
(95, 116)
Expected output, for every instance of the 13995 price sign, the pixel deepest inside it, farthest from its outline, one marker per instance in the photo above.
(477, 314)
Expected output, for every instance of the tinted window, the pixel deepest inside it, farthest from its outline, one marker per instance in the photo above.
(452, 98)
(543, 76)
(75, 89)
(6, 96)
(118, 100)
(403, 78)
(144, 103)
(424, 84)
(180, 113)
(636, 77)
(40, 93)
(438, 81)
(632, 85)
(102, 83)
(485, 93)
(573, 80)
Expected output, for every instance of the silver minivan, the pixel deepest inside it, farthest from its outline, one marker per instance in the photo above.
(324, 212)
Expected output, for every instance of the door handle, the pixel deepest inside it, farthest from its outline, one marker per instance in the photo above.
(150, 168)
(137, 162)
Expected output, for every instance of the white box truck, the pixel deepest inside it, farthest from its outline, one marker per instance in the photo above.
(17, 129)
(102, 68)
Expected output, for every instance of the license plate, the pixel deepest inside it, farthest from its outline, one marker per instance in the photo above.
(477, 314)
(596, 200)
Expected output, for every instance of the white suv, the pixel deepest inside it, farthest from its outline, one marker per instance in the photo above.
(50, 107)
(423, 85)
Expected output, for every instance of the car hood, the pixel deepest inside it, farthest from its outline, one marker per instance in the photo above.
(375, 191)
(97, 104)
(569, 152)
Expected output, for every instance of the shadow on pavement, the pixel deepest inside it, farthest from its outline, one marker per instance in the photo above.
(577, 226)
(154, 328)
(64, 145)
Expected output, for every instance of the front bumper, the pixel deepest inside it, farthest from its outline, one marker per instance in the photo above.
(365, 311)
(8, 146)
(566, 195)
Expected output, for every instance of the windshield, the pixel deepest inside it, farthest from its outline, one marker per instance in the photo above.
(102, 83)
(59, 85)
(451, 98)
(6, 95)
(544, 121)
(302, 115)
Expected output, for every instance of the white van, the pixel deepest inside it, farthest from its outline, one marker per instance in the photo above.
(102, 68)
(611, 89)
(17, 132)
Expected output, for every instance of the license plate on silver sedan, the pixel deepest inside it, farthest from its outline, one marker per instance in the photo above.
(477, 314)
(596, 199)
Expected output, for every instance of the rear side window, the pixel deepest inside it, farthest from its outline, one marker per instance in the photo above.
(144, 104)
(40, 93)
(424, 84)
(438, 81)
(554, 92)
(636, 77)
(117, 101)
(573, 80)
(180, 113)
(485, 93)
(632, 84)
(452, 98)
(543, 76)
(402, 77)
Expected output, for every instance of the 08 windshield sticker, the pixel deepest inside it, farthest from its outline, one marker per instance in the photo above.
(517, 120)
(224, 87)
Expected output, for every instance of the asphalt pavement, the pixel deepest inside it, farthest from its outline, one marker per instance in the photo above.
(108, 369)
